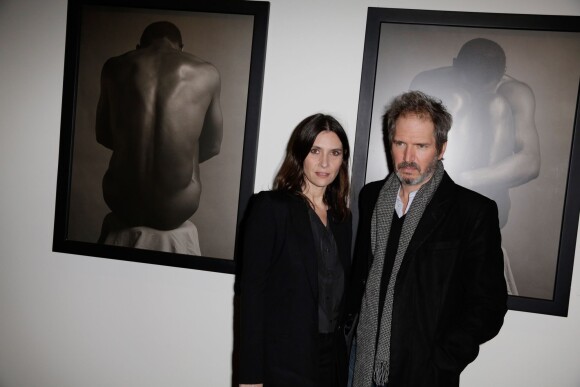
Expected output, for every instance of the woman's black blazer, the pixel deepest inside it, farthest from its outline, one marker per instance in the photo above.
(279, 291)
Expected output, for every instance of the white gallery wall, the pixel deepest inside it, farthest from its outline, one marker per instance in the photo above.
(75, 321)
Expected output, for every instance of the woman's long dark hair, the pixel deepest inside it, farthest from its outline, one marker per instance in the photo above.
(290, 177)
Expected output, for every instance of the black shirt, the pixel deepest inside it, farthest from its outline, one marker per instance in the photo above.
(330, 274)
(391, 253)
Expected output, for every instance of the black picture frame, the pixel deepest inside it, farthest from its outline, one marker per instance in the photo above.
(401, 43)
(232, 36)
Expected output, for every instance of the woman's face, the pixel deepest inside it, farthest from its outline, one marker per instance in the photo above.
(323, 162)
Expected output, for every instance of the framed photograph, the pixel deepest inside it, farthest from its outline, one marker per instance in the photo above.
(511, 83)
(159, 129)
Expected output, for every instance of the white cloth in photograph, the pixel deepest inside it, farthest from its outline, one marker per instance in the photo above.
(182, 240)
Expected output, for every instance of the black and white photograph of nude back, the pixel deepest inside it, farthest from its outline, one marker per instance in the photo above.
(161, 131)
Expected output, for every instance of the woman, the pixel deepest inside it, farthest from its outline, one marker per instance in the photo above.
(296, 258)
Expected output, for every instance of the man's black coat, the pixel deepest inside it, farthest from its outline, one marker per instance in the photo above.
(450, 293)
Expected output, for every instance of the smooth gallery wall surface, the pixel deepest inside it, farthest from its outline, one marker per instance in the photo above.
(70, 321)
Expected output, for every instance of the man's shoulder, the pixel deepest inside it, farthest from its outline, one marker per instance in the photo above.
(191, 67)
(120, 64)
(464, 197)
(198, 63)
(509, 85)
(471, 195)
(374, 186)
(114, 62)
(371, 189)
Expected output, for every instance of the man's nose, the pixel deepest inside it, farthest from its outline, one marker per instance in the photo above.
(409, 154)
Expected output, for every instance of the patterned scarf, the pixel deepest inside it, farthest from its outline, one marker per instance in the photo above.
(372, 355)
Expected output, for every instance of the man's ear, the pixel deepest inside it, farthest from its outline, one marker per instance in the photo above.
(440, 156)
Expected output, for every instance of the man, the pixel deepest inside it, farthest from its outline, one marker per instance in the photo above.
(495, 143)
(159, 112)
(435, 289)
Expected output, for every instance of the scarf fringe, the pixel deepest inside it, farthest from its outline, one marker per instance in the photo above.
(381, 373)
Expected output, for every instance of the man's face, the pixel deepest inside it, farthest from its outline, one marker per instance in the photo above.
(414, 150)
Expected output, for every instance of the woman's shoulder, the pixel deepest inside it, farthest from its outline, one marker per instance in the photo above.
(275, 196)
(274, 199)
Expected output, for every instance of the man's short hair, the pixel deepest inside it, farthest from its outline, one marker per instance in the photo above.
(424, 106)
(160, 30)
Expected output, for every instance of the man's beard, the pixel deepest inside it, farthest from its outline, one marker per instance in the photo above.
(423, 177)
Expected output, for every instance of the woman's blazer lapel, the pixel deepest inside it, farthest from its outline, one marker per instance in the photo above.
(304, 244)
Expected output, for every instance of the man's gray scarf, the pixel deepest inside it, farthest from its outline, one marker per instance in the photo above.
(369, 365)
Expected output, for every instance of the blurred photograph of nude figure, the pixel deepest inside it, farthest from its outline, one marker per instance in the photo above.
(495, 140)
